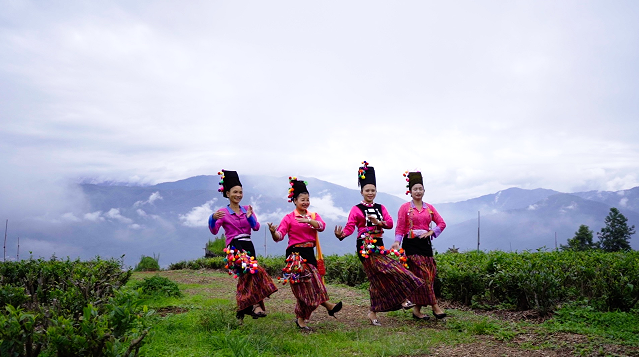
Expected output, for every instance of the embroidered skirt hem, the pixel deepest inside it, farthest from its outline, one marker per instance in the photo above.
(252, 289)
(390, 282)
(425, 268)
(309, 294)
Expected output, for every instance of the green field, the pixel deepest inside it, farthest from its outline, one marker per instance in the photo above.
(202, 323)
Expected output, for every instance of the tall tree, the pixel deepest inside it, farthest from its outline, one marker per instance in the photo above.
(615, 236)
(581, 241)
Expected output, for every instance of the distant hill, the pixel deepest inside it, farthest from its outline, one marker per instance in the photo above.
(170, 219)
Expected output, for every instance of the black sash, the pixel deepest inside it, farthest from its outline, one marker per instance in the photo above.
(416, 246)
(245, 245)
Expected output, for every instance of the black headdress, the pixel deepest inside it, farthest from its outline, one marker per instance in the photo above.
(297, 187)
(366, 175)
(413, 178)
(229, 180)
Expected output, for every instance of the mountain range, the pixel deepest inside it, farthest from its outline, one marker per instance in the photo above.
(170, 219)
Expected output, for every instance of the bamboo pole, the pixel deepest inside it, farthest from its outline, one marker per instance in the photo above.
(4, 256)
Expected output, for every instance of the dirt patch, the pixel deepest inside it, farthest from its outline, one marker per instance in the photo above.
(170, 310)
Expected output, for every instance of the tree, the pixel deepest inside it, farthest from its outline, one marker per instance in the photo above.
(581, 241)
(615, 236)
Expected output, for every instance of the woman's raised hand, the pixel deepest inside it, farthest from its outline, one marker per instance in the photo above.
(373, 220)
(249, 211)
(272, 227)
(339, 231)
(219, 214)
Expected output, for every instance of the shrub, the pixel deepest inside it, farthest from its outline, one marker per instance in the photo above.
(158, 285)
(215, 248)
(69, 308)
(148, 264)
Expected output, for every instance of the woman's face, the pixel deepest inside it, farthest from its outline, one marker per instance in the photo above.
(235, 194)
(369, 191)
(302, 202)
(417, 191)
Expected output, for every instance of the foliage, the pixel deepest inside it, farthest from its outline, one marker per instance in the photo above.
(526, 280)
(216, 247)
(581, 241)
(540, 280)
(69, 308)
(209, 328)
(615, 236)
(583, 319)
(148, 263)
(158, 285)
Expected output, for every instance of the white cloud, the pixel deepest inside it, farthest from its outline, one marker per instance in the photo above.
(94, 216)
(325, 205)
(198, 216)
(70, 217)
(114, 213)
(141, 213)
(152, 198)
(273, 217)
(483, 119)
(135, 226)
(533, 207)
(623, 202)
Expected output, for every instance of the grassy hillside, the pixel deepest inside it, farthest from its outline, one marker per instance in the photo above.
(202, 323)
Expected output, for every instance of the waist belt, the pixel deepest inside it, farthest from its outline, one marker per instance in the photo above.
(304, 245)
(244, 237)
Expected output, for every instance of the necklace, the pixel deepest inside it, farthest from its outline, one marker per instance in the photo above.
(368, 204)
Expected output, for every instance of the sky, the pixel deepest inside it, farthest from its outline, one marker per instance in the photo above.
(479, 96)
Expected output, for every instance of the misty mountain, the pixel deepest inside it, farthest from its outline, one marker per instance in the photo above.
(171, 219)
(534, 226)
(509, 199)
(623, 200)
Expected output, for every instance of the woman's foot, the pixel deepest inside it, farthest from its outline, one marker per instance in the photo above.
(438, 312)
(373, 318)
(417, 314)
(334, 309)
(302, 325)
(407, 304)
(258, 312)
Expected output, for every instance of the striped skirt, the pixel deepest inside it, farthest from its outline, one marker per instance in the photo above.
(253, 289)
(425, 268)
(309, 294)
(390, 282)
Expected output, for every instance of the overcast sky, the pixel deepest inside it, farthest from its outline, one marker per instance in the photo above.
(478, 95)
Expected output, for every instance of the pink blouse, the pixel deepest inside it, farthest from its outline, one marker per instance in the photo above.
(421, 220)
(356, 219)
(234, 224)
(299, 232)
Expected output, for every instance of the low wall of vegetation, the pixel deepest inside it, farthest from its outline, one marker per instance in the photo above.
(69, 308)
(525, 280)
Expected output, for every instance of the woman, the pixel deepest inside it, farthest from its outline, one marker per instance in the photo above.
(390, 282)
(413, 232)
(237, 221)
(302, 227)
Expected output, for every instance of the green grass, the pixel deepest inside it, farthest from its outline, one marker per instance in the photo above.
(207, 327)
(616, 327)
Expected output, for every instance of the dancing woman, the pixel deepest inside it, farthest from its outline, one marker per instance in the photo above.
(390, 282)
(302, 226)
(238, 221)
(413, 232)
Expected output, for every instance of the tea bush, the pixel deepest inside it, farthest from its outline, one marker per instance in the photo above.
(148, 264)
(158, 285)
(520, 280)
(69, 308)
